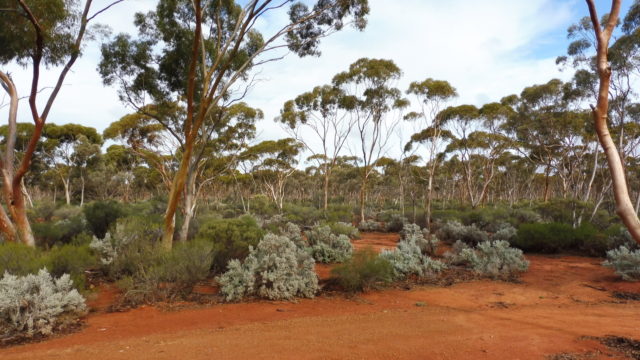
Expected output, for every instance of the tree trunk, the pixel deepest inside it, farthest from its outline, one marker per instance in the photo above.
(82, 191)
(189, 208)
(624, 207)
(363, 196)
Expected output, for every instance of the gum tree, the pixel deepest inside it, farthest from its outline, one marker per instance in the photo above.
(201, 53)
(600, 111)
(35, 33)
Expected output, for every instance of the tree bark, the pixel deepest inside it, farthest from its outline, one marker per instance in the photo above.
(624, 206)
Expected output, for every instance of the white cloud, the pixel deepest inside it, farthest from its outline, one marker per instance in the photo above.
(485, 49)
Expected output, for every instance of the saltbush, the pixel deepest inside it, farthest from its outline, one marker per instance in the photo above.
(276, 269)
(365, 270)
(370, 226)
(294, 233)
(426, 242)
(231, 238)
(408, 259)
(37, 305)
(453, 231)
(505, 232)
(625, 262)
(327, 247)
(454, 256)
(395, 223)
(496, 259)
(101, 215)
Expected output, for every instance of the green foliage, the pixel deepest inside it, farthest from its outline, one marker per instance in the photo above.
(101, 215)
(555, 237)
(148, 274)
(72, 260)
(625, 262)
(342, 228)
(364, 271)
(65, 223)
(302, 215)
(496, 259)
(276, 269)
(19, 259)
(231, 238)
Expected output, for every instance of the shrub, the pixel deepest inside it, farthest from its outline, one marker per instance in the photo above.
(619, 236)
(505, 232)
(303, 215)
(60, 231)
(525, 216)
(339, 213)
(453, 231)
(276, 269)
(101, 215)
(231, 238)
(72, 260)
(160, 275)
(427, 243)
(408, 259)
(555, 237)
(342, 228)
(370, 225)
(19, 259)
(327, 247)
(496, 259)
(395, 223)
(453, 256)
(625, 262)
(364, 271)
(293, 232)
(37, 305)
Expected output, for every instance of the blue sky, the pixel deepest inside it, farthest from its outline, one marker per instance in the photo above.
(486, 49)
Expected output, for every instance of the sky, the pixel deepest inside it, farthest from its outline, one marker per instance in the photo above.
(486, 49)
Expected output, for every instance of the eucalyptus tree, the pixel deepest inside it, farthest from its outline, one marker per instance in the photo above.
(624, 206)
(35, 33)
(376, 104)
(70, 148)
(324, 113)
(431, 95)
(274, 162)
(202, 53)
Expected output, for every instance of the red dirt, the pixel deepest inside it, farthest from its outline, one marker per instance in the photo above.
(560, 300)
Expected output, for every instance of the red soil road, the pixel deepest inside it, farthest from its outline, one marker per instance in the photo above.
(559, 300)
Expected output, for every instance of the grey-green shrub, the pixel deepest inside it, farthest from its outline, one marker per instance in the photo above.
(496, 259)
(37, 305)
(326, 247)
(453, 231)
(505, 232)
(276, 269)
(370, 225)
(407, 259)
(294, 233)
(625, 262)
(453, 256)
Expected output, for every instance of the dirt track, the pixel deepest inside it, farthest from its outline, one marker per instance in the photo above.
(560, 300)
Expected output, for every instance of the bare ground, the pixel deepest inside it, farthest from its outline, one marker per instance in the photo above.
(558, 310)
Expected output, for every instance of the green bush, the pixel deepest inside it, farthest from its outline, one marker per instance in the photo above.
(101, 215)
(231, 238)
(72, 260)
(302, 215)
(19, 259)
(60, 231)
(555, 237)
(364, 271)
(339, 213)
(453, 231)
(342, 228)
